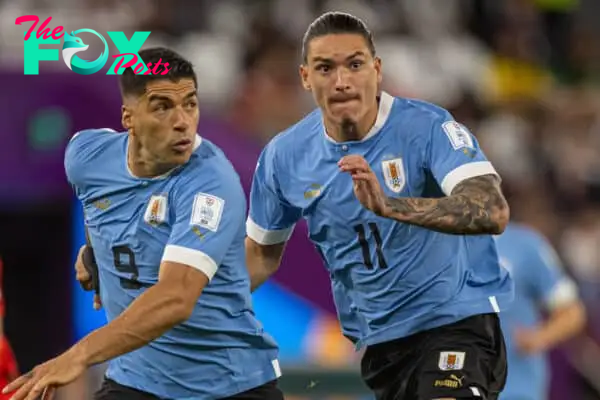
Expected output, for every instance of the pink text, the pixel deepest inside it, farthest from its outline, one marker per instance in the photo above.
(56, 33)
(138, 69)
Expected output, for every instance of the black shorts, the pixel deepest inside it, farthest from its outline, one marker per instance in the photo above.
(112, 390)
(463, 360)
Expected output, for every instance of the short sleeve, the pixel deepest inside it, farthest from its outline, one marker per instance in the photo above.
(82, 149)
(75, 155)
(454, 154)
(209, 215)
(546, 279)
(271, 218)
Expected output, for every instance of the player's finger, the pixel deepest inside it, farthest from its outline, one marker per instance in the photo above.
(49, 393)
(81, 273)
(353, 162)
(352, 158)
(17, 383)
(97, 302)
(38, 389)
(362, 176)
(22, 391)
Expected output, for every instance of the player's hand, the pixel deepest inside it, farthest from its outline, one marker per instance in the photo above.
(84, 278)
(529, 341)
(42, 381)
(367, 188)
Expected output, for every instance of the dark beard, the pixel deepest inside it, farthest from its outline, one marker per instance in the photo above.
(349, 130)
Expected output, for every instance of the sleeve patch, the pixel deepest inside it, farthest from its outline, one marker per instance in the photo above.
(207, 211)
(459, 135)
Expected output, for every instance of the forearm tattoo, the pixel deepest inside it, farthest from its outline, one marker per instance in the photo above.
(476, 206)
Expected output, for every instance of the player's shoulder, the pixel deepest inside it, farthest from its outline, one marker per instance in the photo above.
(89, 147)
(419, 111)
(93, 137)
(297, 135)
(209, 165)
(417, 119)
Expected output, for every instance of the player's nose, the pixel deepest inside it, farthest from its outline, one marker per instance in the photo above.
(342, 81)
(181, 121)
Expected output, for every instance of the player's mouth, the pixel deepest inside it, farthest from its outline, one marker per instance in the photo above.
(343, 100)
(182, 145)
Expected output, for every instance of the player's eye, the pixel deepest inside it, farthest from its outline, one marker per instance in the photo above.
(356, 64)
(323, 68)
(191, 104)
(160, 107)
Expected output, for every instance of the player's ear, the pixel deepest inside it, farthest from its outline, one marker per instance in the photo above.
(126, 117)
(378, 66)
(304, 77)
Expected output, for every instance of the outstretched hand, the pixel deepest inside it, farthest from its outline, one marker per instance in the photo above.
(42, 381)
(367, 188)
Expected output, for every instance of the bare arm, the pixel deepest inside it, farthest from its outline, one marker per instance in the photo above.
(262, 261)
(476, 206)
(563, 323)
(164, 305)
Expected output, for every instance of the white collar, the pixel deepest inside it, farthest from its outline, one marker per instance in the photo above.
(197, 143)
(385, 107)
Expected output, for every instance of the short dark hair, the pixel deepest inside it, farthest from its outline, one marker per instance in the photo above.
(336, 23)
(179, 68)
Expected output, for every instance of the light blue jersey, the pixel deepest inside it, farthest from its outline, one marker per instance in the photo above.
(539, 284)
(194, 215)
(389, 279)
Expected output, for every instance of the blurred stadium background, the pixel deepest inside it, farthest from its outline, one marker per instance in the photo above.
(524, 75)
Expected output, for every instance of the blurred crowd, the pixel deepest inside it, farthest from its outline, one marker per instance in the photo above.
(523, 75)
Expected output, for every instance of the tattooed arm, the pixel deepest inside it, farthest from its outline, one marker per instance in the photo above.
(475, 206)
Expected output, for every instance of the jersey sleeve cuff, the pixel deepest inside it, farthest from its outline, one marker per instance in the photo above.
(194, 258)
(563, 293)
(466, 171)
(266, 237)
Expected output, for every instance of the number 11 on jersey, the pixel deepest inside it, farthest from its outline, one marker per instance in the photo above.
(364, 245)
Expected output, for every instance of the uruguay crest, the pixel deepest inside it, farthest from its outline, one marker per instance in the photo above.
(156, 212)
(393, 174)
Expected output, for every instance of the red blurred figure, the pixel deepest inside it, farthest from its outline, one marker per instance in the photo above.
(8, 363)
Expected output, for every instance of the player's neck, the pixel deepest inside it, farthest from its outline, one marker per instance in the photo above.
(356, 132)
(140, 162)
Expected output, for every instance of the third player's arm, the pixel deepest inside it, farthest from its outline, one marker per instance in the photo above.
(271, 219)
(262, 261)
(475, 206)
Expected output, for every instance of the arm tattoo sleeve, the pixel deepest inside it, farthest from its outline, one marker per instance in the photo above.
(476, 206)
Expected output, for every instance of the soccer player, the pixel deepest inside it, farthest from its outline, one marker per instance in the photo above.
(165, 213)
(540, 285)
(413, 264)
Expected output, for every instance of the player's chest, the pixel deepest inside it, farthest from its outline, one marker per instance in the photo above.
(324, 190)
(143, 210)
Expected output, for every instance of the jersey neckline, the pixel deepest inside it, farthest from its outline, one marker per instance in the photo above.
(386, 101)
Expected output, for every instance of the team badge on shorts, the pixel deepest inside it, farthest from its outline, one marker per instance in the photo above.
(451, 360)
(393, 173)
